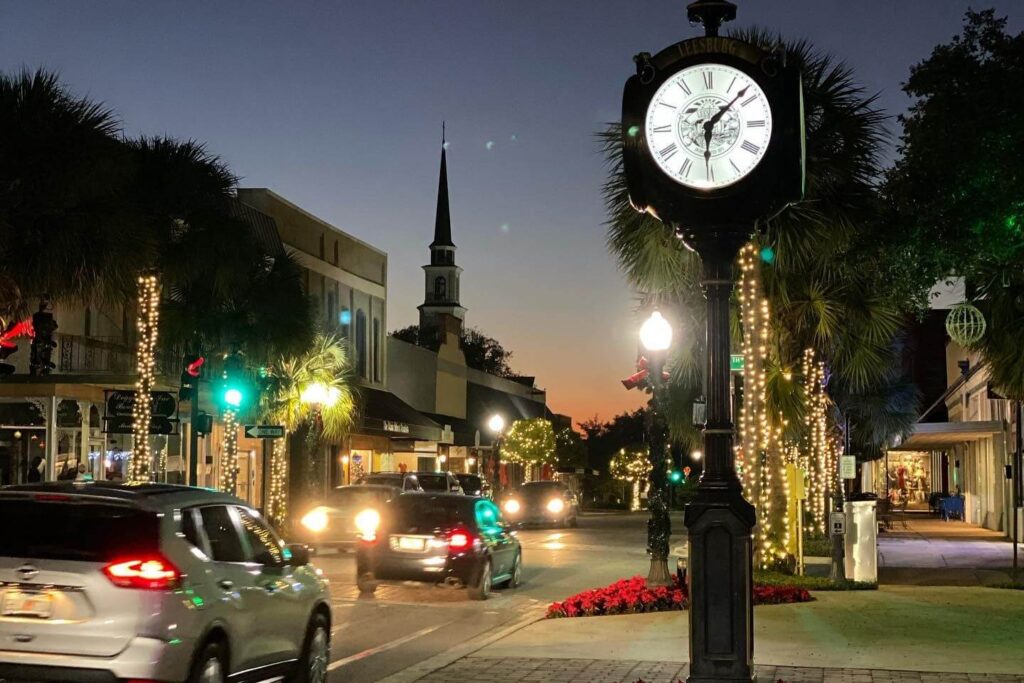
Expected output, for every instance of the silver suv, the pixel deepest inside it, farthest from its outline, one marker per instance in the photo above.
(106, 582)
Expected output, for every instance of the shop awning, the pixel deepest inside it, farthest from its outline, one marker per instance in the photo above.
(384, 414)
(933, 436)
(482, 402)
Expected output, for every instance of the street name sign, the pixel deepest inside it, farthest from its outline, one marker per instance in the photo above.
(837, 522)
(847, 467)
(736, 362)
(264, 431)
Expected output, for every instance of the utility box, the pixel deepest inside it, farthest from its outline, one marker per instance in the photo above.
(861, 541)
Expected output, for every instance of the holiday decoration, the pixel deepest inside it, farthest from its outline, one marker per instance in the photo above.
(140, 464)
(965, 324)
(530, 441)
(229, 454)
(634, 467)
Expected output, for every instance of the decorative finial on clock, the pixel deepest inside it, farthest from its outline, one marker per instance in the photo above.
(711, 13)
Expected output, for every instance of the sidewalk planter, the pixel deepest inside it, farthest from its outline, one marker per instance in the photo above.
(632, 596)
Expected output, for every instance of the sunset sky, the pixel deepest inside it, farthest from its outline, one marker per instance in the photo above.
(337, 106)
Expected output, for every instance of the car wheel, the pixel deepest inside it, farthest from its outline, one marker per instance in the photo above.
(209, 666)
(517, 572)
(316, 652)
(366, 583)
(482, 590)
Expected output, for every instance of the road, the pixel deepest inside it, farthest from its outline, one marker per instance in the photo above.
(374, 637)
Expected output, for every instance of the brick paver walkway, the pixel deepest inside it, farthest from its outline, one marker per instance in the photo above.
(504, 670)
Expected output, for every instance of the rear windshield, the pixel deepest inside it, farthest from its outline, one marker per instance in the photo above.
(356, 496)
(433, 482)
(418, 513)
(470, 482)
(383, 479)
(91, 532)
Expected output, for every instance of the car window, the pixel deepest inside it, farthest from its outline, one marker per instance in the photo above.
(264, 546)
(423, 514)
(220, 528)
(470, 482)
(190, 527)
(434, 482)
(69, 529)
(411, 484)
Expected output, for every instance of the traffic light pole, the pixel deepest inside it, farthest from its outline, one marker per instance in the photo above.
(193, 438)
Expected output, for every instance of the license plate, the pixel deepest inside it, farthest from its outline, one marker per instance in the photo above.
(37, 605)
(406, 543)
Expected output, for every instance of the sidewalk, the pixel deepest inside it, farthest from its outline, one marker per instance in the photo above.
(894, 634)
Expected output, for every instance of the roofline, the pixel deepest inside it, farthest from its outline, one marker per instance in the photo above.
(314, 217)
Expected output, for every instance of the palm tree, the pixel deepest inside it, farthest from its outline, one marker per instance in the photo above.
(65, 229)
(327, 366)
(822, 292)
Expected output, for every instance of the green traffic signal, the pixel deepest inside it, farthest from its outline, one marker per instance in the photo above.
(233, 397)
(676, 476)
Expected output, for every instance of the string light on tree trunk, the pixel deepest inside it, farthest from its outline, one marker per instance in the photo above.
(229, 454)
(277, 510)
(140, 462)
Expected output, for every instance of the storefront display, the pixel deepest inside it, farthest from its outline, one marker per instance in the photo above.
(906, 477)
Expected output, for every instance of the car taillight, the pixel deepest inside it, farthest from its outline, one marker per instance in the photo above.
(154, 573)
(459, 540)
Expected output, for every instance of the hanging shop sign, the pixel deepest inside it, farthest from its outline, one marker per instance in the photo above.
(122, 403)
(121, 424)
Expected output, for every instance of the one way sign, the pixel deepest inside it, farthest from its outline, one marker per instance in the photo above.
(264, 431)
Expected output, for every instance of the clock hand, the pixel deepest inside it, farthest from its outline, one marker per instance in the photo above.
(725, 107)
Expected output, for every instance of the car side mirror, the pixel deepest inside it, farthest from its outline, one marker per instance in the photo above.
(297, 554)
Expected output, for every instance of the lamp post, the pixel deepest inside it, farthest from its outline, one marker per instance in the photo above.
(316, 395)
(496, 424)
(656, 338)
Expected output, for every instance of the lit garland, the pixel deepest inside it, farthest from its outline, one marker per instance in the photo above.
(277, 510)
(139, 464)
(229, 454)
(814, 458)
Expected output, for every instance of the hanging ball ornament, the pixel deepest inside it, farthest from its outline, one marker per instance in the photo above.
(965, 324)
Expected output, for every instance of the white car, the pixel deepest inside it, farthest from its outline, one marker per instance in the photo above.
(107, 582)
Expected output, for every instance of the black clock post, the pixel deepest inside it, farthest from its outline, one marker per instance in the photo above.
(715, 221)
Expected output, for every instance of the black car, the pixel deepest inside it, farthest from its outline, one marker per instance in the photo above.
(336, 520)
(473, 485)
(542, 502)
(440, 538)
(406, 481)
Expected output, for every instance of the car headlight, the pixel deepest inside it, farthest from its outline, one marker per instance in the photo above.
(512, 506)
(556, 505)
(367, 522)
(315, 520)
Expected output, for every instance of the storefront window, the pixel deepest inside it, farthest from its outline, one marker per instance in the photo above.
(906, 477)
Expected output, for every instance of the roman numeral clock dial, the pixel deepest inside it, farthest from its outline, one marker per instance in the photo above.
(708, 126)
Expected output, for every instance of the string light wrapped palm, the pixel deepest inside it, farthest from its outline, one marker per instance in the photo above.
(326, 365)
(140, 463)
(633, 466)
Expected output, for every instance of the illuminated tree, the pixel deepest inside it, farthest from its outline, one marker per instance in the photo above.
(633, 466)
(530, 441)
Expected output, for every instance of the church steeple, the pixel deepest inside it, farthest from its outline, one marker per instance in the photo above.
(443, 219)
(442, 275)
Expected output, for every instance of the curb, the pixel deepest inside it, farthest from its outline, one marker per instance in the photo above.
(453, 654)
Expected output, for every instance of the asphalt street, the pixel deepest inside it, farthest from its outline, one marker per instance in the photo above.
(400, 626)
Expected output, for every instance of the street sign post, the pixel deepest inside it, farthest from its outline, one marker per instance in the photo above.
(736, 362)
(264, 431)
(837, 522)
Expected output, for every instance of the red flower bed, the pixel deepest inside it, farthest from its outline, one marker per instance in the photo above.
(632, 596)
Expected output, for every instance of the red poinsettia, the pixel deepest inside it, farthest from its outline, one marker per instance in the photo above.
(632, 596)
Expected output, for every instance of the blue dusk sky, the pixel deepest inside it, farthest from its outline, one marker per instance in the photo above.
(338, 105)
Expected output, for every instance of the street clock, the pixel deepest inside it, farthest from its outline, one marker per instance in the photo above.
(713, 136)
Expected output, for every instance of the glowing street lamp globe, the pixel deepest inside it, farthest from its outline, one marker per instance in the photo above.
(496, 424)
(656, 333)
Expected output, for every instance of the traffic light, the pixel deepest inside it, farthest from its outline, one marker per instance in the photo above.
(43, 342)
(676, 477)
(203, 424)
(189, 387)
(235, 391)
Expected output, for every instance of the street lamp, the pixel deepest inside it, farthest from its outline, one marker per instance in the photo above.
(496, 424)
(656, 338)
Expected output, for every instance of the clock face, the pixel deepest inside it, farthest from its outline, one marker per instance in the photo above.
(708, 126)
